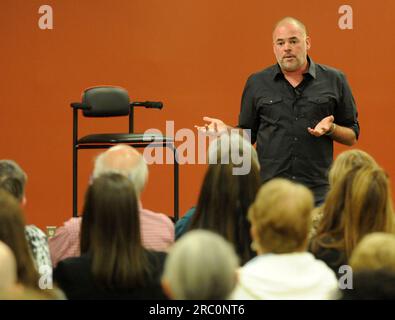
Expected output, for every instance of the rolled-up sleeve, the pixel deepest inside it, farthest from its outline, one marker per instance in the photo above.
(346, 114)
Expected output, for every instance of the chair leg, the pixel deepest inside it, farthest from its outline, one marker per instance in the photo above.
(75, 180)
(176, 173)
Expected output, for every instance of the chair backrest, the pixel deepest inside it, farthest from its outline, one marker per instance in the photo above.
(106, 101)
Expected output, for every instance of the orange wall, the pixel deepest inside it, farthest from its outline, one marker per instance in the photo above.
(193, 55)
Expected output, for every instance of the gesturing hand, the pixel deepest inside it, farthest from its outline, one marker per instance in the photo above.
(322, 127)
(214, 127)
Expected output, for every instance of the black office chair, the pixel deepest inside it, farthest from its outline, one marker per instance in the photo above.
(110, 101)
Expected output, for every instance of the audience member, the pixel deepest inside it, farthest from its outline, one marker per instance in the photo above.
(113, 262)
(371, 285)
(344, 162)
(157, 230)
(8, 272)
(374, 252)
(12, 233)
(13, 179)
(10, 289)
(200, 266)
(358, 204)
(280, 220)
(228, 189)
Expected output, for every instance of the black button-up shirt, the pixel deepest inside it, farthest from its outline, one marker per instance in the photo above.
(278, 116)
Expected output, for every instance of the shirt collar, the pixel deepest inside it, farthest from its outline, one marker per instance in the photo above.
(312, 68)
(311, 71)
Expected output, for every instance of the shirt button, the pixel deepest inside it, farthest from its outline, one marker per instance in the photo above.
(293, 178)
(296, 119)
(296, 139)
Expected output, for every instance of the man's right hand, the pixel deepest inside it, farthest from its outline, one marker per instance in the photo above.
(215, 127)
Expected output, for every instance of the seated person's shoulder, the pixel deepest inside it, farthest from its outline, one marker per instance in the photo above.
(156, 217)
(33, 231)
(70, 226)
(73, 264)
(73, 222)
(183, 224)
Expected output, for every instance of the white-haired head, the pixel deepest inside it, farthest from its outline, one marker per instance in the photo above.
(200, 266)
(125, 160)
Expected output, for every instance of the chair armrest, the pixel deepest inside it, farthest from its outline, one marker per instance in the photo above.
(79, 105)
(147, 104)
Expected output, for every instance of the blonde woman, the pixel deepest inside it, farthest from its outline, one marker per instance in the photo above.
(344, 162)
(283, 269)
(358, 204)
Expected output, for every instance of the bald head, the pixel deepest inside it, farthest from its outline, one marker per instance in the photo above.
(8, 273)
(290, 21)
(290, 45)
(125, 160)
(120, 157)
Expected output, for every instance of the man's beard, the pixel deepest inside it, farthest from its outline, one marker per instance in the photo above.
(290, 66)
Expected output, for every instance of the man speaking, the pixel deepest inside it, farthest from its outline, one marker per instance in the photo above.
(294, 110)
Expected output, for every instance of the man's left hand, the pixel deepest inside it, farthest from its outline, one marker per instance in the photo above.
(324, 126)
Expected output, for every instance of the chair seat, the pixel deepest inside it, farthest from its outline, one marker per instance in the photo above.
(124, 138)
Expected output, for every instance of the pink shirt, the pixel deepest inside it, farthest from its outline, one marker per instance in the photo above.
(157, 232)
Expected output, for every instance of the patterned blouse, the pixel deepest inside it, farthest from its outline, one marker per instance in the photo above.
(38, 244)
